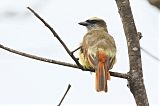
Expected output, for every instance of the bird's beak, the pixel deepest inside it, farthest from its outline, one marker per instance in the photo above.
(84, 23)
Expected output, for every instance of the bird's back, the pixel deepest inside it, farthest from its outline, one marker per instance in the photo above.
(99, 40)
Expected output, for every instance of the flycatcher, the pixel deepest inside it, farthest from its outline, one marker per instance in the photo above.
(98, 51)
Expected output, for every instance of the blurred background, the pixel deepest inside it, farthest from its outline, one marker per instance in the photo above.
(24, 81)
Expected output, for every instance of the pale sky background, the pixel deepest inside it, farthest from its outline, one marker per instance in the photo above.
(30, 82)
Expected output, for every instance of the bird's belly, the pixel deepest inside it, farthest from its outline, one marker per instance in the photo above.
(84, 61)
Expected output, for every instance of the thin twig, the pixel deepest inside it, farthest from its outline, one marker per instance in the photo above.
(37, 57)
(69, 86)
(57, 36)
(76, 49)
(115, 74)
(139, 34)
(150, 54)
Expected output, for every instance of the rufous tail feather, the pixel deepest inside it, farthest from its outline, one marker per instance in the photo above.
(102, 73)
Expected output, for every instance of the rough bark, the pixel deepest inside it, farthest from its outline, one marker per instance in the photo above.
(135, 80)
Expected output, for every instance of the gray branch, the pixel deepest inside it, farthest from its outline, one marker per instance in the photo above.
(135, 80)
(57, 36)
(115, 74)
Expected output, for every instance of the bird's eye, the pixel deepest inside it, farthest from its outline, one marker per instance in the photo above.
(91, 21)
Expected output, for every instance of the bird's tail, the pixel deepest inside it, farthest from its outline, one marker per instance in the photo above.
(102, 73)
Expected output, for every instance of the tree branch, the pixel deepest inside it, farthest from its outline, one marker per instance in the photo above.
(76, 49)
(135, 80)
(57, 36)
(69, 86)
(115, 74)
(37, 57)
(150, 54)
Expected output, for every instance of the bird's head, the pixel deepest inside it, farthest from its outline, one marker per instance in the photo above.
(94, 23)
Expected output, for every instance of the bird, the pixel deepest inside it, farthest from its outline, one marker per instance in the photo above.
(98, 51)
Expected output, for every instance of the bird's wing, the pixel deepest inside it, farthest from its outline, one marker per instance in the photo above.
(103, 43)
(97, 41)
